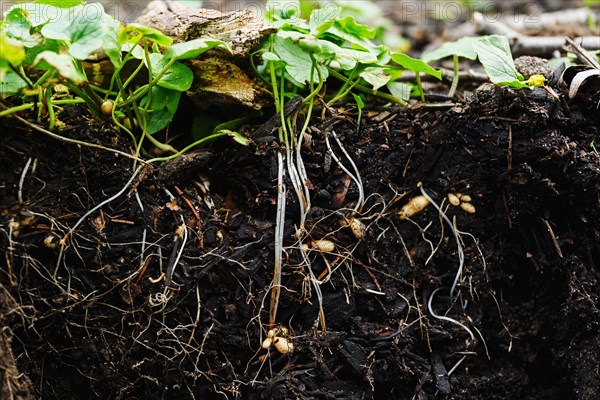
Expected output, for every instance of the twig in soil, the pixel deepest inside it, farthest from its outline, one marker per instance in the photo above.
(553, 237)
(196, 215)
(582, 54)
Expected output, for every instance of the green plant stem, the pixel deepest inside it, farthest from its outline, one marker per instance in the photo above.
(21, 72)
(16, 109)
(84, 93)
(364, 89)
(45, 76)
(133, 75)
(345, 89)
(31, 106)
(50, 106)
(420, 86)
(452, 90)
(40, 97)
(139, 93)
(116, 77)
(188, 147)
(343, 94)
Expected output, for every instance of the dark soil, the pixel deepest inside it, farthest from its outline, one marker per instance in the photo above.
(88, 321)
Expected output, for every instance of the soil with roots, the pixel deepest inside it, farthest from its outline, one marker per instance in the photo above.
(164, 291)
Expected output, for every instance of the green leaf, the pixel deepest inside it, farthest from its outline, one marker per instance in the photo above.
(515, 84)
(271, 57)
(495, 56)
(17, 25)
(348, 58)
(415, 65)
(163, 105)
(56, 20)
(400, 90)
(277, 10)
(299, 64)
(322, 18)
(359, 101)
(157, 120)
(348, 24)
(133, 33)
(111, 45)
(85, 28)
(203, 125)
(339, 32)
(10, 82)
(88, 30)
(136, 50)
(63, 63)
(11, 50)
(44, 45)
(177, 77)
(376, 76)
(462, 47)
(193, 48)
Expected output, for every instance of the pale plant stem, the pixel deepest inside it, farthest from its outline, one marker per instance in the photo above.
(443, 317)
(279, 222)
(356, 178)
(22, 180)
(454, 85)
(316, 285)
(358, 183)
(451, 320)
(461, 254)
(171, 269)
(295, 179)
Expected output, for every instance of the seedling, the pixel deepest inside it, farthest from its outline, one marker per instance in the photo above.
(329, 45)
(56, 51)
(300, 58)
(494, 55)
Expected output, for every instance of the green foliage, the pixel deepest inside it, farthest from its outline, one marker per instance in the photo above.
(493, 52)
(306, 52)
(496, 58)
(56, 43)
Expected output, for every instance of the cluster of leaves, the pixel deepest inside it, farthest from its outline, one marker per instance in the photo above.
(493, 52)
(47, 42)
(305, 52)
